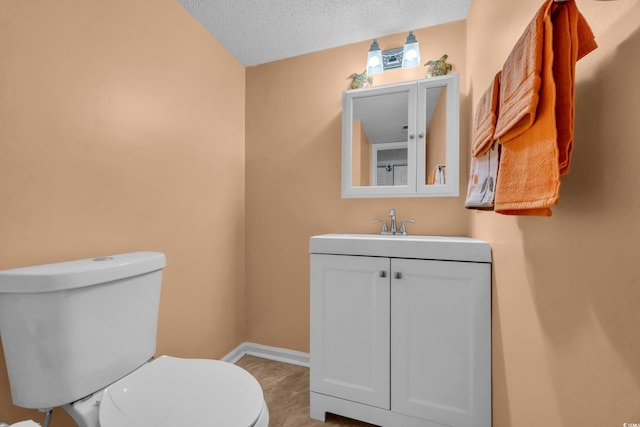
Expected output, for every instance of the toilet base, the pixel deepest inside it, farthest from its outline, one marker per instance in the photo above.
(85, 412)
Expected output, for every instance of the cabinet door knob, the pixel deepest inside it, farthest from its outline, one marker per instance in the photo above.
(398, 275)
(383, 273)
(421, 135)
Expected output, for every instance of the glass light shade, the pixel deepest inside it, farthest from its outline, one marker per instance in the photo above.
(411, 55)
(374, 59)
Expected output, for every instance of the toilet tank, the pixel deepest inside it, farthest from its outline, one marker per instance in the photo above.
(72, 328)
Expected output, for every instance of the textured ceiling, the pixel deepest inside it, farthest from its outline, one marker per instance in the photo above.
(260, 31)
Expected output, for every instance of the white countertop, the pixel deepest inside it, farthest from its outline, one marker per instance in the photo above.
(446, 248)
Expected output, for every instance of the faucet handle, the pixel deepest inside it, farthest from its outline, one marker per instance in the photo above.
(403, 228)
(384, 225)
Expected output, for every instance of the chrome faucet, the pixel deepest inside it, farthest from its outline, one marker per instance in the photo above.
(392, 214)
(394, 228)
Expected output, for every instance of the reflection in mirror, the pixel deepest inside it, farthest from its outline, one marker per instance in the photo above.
(380, 135)
(435, 136)
(391, 163)
(379, 140)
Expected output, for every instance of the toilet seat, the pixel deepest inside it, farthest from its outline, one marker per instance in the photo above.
(170, 391)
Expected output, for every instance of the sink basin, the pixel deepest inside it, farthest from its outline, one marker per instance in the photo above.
(446, 248)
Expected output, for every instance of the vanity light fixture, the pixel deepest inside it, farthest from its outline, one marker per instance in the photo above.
(382, 60)
(374, 59)
(411, 52)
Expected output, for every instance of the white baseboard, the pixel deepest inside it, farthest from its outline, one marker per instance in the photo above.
(267, 352)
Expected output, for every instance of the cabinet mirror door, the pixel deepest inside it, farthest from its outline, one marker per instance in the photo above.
(401, 140)
(381, 153)
(438, 139)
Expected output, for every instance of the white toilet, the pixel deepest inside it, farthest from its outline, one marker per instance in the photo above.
(82, 334)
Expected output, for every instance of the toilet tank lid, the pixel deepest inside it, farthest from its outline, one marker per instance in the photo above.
(80, 273)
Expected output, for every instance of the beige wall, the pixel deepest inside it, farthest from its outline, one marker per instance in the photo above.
(566, 302)
(293, 150)
(122, 129)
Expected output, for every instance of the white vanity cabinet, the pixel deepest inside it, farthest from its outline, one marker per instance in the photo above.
(401, 330)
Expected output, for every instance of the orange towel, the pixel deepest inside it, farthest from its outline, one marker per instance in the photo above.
(484, 124)
(572, 39)
(529, 112)
(520, 82)
(529, 179)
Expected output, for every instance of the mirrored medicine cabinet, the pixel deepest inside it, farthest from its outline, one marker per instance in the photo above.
(402, 140)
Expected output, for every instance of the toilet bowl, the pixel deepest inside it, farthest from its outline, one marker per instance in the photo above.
(171, 391)
(81, 334)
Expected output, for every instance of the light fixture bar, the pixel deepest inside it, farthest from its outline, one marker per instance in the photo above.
(407, 56)
(392, 58)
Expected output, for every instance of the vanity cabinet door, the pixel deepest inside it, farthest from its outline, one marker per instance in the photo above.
(441, 341)
(350, 328)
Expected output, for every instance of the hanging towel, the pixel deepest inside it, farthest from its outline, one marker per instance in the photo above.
(482, 179)
(572, 39)
(529, 179)
(484, 123)
(520, 82)
(527, 126)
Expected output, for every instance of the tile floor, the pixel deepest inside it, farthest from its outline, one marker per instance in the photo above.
(286, 390)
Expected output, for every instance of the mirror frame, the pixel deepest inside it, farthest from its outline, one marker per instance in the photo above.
(417, 91)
